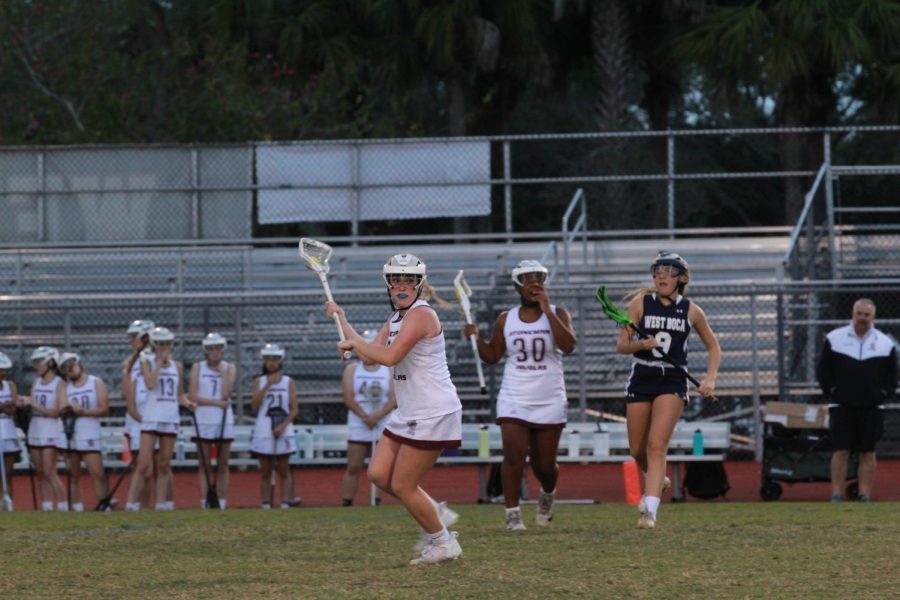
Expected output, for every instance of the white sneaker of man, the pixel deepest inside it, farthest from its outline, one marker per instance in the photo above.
(437, 553)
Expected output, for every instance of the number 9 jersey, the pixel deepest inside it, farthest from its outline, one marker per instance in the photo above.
(533, 391)
(650, 375)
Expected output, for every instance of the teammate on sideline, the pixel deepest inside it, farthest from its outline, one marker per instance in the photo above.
(211, 384)
(274, 390)
(163, 377)
(88, 400)
(45, 433)
(10, 446)
(369, 397)
(657, 392)
(428, 417)
(134, 393)
(532, 405)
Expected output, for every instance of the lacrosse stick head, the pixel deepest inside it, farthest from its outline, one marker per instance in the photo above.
(611, 310)
(462, 291)
(276, 415)
(315, 254)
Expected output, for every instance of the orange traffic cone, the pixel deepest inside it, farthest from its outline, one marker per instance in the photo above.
(126, 450)
(632, 480)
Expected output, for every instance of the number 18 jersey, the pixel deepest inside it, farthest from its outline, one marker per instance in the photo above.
(533, 374)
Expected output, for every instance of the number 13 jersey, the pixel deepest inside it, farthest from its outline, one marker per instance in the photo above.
(533, 374)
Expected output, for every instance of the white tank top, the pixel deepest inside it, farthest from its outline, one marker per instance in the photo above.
(533, 373)
(140, 388)
(44, 395)
(278, 394)
(422, 380)
(86, 428)
(162, 400)
(7, 425)
(209, 386)
(370, 388)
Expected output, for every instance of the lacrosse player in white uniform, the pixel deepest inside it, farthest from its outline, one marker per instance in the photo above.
(45, 433)
(88, 399)
(428, 417)
(135, 394)
(532, 405)
(210, 387)
(10, 446)
(163, 377)
(274, 391)
(369, 397)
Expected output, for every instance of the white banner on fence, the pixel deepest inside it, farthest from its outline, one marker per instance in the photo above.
(391, 181)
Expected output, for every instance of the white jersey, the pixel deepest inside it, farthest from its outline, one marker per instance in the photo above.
(533, 374)
(140, 388)
(7, 425)
(370, 391)
(44, 395)
(162, 399)
(209, 386)
(278, 394)
(86, 428)
(422, 382)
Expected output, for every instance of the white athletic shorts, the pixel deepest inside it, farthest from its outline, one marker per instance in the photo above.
(210, 432)
(358, 432)
(83, 446)
(11, 446)
(537, 416)
(44, 441)
(159, 428)
(437, 432)
(264, 445)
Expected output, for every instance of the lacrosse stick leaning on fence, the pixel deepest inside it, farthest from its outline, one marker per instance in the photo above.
(531, 405)
(657, 388)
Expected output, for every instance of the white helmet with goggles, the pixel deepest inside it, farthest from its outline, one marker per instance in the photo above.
(272, 350)
(67, 356)
(161, 334)
(669, 259)
(528, 266)
(5, 362)
(140, 327)
(214, 339)
(45, 353)
(404, 264)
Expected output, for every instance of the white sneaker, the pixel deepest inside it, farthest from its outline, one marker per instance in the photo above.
(545, 509)
(642, 505)
(514, 521)
(447, 516)
(646, 521)
(436, 553)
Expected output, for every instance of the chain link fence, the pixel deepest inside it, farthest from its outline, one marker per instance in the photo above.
(770, 336)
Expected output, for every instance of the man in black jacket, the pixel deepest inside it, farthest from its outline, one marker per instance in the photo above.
(858, 374)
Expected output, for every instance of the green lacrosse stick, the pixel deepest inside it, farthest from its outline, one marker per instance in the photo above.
(621, 317)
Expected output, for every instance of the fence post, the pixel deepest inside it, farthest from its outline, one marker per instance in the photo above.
(754, 345)
(507, 191)
(670, 184)
(582, 361)
(41, 207)
(829, 203)
(354, 196)
(195, 195)
(238, 363)
(779, 343)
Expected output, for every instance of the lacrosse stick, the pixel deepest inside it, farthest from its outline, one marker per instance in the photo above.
(212, 498)
(463, 291)
(106, 503)
(621, 317)
(315, 255)
(68, 420)
(276, 415)
(6, 504)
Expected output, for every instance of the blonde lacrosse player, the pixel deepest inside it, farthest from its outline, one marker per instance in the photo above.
(211, 383)
(369, 397)
(428, 417)
(10, 446)
(134, 392)
(657, 391)
(275, 400)
(531, 407)
(88, 400)
(45, 433)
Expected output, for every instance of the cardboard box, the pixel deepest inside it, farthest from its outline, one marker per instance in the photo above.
(797, 416)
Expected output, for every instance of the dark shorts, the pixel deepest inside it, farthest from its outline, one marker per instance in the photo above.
(647, 383)
(855, 428)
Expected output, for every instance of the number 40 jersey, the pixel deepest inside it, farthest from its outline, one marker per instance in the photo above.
(533, 374)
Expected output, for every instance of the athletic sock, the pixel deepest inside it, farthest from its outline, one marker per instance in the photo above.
(222, 503)
(160, 506)
(78, 507)
(62, 506)
(132, 506)
(512, 510)
(285, 505)
(266, 506)
(652, 505)
(441, 537)
(170, 505)
(203, 504)
(46, 506)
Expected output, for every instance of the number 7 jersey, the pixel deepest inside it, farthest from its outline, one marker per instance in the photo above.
(533, 374)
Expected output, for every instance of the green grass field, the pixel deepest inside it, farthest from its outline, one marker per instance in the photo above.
(716, 550)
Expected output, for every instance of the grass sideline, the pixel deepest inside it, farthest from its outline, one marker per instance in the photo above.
(700, 550)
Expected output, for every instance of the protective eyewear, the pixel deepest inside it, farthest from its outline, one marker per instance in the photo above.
(666, 270)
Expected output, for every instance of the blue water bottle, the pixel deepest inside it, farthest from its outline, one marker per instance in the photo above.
(698, 443)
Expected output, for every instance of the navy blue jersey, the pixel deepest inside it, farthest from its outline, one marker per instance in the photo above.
(669, 325)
